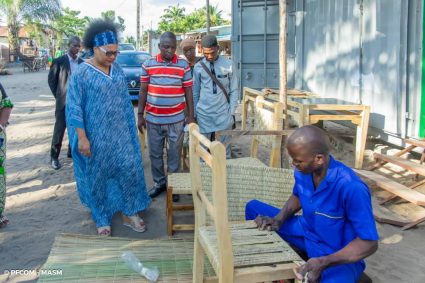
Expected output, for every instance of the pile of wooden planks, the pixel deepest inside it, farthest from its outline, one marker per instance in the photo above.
(396, 189)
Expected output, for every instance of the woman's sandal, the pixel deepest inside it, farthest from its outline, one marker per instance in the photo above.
(104, 231)
(3, 221)
(136, 223)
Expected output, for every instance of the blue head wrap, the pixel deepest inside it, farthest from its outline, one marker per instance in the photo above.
(105, 38)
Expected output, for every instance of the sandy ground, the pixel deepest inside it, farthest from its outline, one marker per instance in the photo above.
(42, 202)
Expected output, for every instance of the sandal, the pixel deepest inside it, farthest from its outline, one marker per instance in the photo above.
(3, 221)
(136, 223)
(104, 231)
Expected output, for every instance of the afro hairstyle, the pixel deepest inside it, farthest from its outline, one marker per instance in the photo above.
(94, 28)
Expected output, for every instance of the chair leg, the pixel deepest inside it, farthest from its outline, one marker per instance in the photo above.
(198, 261)
(169, 211)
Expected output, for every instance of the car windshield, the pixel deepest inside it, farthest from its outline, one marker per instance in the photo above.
(132, 60)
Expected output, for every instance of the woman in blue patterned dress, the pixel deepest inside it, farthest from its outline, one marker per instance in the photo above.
(102, 131)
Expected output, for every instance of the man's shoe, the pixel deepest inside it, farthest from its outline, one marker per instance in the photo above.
(176, 198)
(156, 191)
(55, 164)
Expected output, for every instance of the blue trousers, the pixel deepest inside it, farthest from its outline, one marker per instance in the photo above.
(156, 141)
(292, 232)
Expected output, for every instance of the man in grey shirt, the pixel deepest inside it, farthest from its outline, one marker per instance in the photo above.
(214, 109)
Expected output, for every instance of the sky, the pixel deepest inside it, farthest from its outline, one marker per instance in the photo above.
(151, 10)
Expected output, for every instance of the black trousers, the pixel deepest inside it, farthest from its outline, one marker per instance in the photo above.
(58, 133)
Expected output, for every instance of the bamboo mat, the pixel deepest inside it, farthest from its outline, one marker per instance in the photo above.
(84, 258)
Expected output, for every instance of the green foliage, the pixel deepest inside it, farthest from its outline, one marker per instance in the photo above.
(176, 20)
(130, 39)
(110, 15)
(70, 24)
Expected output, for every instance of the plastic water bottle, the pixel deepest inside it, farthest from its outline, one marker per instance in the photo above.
(133, 262)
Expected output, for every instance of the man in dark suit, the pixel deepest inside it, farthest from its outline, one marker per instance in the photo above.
(59, 74)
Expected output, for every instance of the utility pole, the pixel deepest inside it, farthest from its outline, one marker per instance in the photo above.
(138, 25)
(208, 16)
(142, 40)
(282, 59)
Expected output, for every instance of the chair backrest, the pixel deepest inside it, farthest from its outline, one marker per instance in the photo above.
(213, 154)
(268, 116)
(247, 182)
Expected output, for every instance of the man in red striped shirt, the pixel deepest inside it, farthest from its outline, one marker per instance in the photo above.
(165, 92)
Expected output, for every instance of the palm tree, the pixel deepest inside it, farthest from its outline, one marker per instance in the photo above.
(200, 17)
(19, 11)
(174, 12)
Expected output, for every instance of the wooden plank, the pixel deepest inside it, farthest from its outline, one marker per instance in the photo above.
(400, 153)
(417, 143)
(200, 217)
(202, 139)
(402, 162)
(330, 117)
(200, 151)
(361, 137)
(183, 227)
(169, 211)
(253, 92)
(414, 186)
(390, 221)
(413, 224)
(183, 207)
(265, 273)
(337, 107)
(254, 133)
(207, 204)
(393, 187)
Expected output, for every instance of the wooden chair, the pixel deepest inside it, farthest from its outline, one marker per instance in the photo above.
(268, 116)
(238, 252)
(267, 131)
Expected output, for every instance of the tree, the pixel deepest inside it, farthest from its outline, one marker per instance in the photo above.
(173, 19)
(176, 20)
(130, 39)
(19, 11)
(200, 17)
(69, 24)
(110, 15)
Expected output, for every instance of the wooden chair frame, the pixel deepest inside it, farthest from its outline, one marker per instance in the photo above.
(271, 110)
(274, 157)
(302, 114)
(217, 210)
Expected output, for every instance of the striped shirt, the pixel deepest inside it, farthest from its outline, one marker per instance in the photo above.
(166, 81)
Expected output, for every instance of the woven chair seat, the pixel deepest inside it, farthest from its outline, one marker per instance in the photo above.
(250, 246)
(180, 183)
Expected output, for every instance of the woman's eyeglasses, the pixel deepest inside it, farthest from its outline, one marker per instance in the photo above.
(109, 53)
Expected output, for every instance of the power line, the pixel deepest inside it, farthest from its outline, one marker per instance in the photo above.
(119, 6)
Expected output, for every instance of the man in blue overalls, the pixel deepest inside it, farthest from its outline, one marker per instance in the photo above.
(337, 228)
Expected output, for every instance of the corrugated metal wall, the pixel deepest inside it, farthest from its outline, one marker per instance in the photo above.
(364, 51)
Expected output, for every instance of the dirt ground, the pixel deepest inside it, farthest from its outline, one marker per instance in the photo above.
(42, 202)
